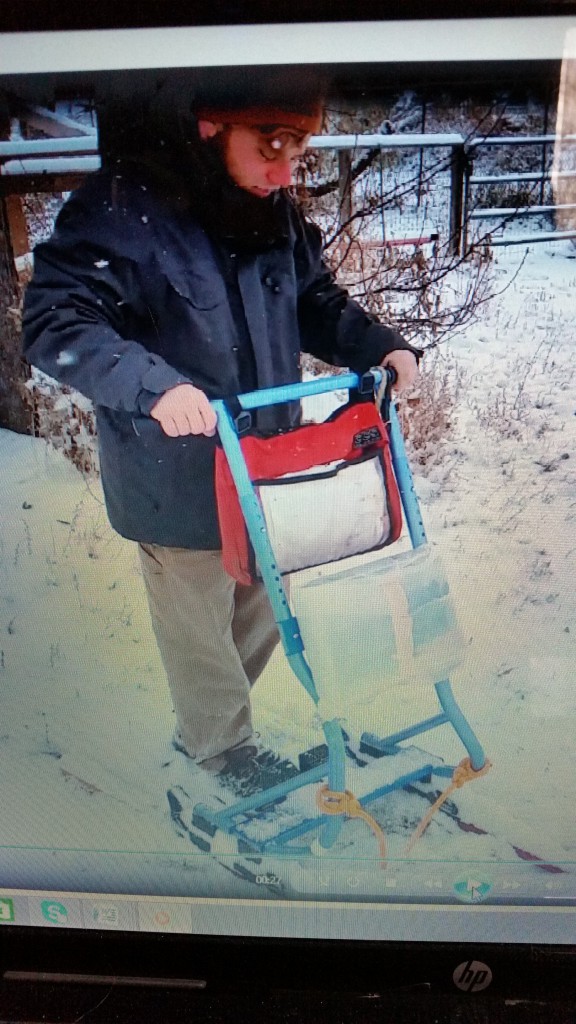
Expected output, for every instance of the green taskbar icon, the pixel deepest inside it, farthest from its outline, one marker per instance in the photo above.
(54, 912)
(6, 910)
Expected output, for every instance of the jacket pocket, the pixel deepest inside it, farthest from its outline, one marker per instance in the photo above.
(201, 284)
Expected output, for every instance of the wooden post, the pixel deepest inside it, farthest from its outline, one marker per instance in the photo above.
(544, 161)
(15, 413)
(421, 151)
(457, 169)
(468, 169)
(17, 227)
(564, 189)
(345, 185)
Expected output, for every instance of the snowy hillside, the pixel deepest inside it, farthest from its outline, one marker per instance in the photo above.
(86, 719)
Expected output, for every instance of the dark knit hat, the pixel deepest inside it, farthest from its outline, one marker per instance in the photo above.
(305, 117)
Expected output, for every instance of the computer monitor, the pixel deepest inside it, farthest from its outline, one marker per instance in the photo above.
(427, 815)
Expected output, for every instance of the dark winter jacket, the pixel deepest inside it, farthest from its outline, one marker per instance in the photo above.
(131, 297)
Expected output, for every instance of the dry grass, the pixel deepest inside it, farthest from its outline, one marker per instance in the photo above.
(427, 414)
(519, 408)
(65, 420)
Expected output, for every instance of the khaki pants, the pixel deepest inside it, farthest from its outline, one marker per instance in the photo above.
(215, 637)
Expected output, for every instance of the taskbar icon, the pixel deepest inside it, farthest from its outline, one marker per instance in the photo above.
(7, 910)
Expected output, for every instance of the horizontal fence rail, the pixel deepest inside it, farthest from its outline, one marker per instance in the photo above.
(380, 141)
(518, 140)
(85, 144)
(492, 179)
(507, 214)
(520, 211)
(550, 236)
(453, 141)
(45, 159)
(40, 163)
(55, 165)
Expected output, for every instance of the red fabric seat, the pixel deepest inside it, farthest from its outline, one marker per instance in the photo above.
(354, 435)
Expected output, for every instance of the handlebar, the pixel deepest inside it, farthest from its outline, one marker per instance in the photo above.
(319, 386)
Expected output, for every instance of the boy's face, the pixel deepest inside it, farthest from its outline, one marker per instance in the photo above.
(261, 159)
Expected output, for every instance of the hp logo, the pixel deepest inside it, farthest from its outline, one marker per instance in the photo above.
(472, 976)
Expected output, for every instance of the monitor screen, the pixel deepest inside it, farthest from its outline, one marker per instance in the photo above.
(401, 766)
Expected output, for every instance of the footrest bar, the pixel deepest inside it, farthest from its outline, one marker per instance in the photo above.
(377, 746)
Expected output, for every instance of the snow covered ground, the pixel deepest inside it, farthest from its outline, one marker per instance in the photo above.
(86, 718)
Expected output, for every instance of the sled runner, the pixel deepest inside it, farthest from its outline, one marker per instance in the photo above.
(315, 496)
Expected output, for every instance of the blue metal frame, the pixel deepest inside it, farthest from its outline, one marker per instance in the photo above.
(334, 770)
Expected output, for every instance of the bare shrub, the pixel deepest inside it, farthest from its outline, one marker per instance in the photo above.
(60, 415)
(427, 296)
(41, 210)
(316, 367)
(65, 419)
(427, 414)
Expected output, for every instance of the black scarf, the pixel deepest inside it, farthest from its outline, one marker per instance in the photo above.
(244, 222)
(190, 173)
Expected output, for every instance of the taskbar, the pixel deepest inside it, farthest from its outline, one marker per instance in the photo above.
(473, 913)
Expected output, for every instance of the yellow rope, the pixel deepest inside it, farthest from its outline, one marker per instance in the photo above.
(463, 773)
(332, 802)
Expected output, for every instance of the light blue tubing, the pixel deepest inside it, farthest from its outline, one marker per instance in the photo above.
(405, 482)
(256, 525)
(301, 389)
(288, 625)
(460, 724)
(417, 533)
(257, 530)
